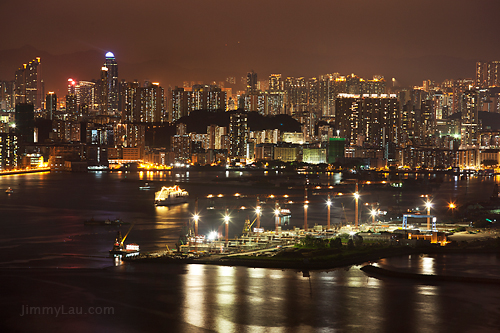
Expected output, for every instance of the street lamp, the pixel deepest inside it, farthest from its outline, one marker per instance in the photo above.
(428, 205)
(226, 220)
(195, 218)
(277, 214)
(356, 196)
(305, 214)
(452, 206)
(328, 203)
(373, 213)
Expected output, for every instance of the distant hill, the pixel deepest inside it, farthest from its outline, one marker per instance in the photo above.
(197, 121)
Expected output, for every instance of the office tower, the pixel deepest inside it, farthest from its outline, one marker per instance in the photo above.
(51, 104)
(368, 121)
(29, 85)
(251, 82)
(112, 82)
(470, 120)
(238, 134)
(25, 122)
(103, 91)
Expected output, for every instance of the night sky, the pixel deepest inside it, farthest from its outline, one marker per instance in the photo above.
(173, 41)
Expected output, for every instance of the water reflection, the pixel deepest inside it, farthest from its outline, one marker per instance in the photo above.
(427, 265)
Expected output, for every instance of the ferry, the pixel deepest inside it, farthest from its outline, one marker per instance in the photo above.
(285, 212)
(170, 196)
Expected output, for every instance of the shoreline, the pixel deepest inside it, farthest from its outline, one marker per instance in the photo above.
(312, 263)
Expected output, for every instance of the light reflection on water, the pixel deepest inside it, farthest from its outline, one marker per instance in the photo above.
(235, 299)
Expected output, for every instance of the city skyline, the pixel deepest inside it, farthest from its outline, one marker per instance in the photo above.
(411, 42)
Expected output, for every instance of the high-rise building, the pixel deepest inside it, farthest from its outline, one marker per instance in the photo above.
(51, 104)
(25, 122)
(112, 82)
(103, 91)
(238, 133)
(143, 104)
(487, 74)
(7, 95)
(8, 151)
(470, 120)
(313, 95)
(29, 84)
(368, 120)
(275, 83)
(251, 82)
(86, 97)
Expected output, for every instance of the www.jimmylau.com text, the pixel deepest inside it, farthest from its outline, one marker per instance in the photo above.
(62, 310)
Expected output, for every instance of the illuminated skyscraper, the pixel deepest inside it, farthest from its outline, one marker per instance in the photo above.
(112, 82)
(470, 120)
(487, 74)
(103, 91)
(275, 83)
(29, 84)
(143, 104)
(313, 95)
(51, 104)
(368, 120)
(238, 132)
(251, 82)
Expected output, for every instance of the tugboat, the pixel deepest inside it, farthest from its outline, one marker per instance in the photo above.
(119, 249)
(9, 190)
(170, 196)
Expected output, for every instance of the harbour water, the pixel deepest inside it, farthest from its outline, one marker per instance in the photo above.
(48, 258)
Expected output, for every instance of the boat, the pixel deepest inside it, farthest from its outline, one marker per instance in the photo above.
(92, 221)
(146, 187)
(171, 196)
(285, 212)
(9, 191)
(120, 249)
